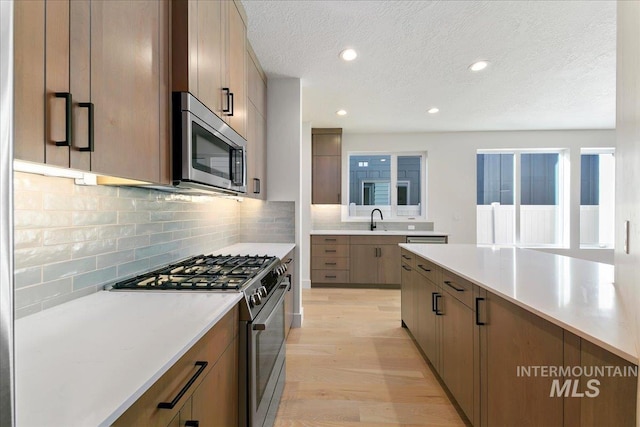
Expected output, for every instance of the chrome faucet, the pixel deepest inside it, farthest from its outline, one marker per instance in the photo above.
(373, 224)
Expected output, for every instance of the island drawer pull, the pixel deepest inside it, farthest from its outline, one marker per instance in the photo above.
(330, 250)
(448, 283)
(192, 423)
(422, 267)
(406, 257)
(406, 268)
(170, 405)
(330, 263)
(329, 240)
(330, 277)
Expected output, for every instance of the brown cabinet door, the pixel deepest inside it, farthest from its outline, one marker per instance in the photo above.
(326, 180)
(29, 80)
(389, 264)
(407, 298)
(215, 401)
(80, 82)
(252, 142)
(128, 53)
(237, 69)
(457, 372)
(329, 144)
(210, 54)
(364, 264)
(428, 322)
(511, 338)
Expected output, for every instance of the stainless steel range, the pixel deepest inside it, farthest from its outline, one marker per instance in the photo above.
(264, 284)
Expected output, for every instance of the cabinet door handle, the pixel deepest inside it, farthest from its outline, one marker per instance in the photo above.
(192, 423)
(329, 240)
(226, 111)
(448, 283)
(256, 185)
(422, 267)
(406, 257)
(380, 252)
(231, 99)
(437, 298)
(406, 268)
(433, 301)
(68, 102)
(478, 322)
(330, 250)
(89, 106)
(169, 405)
(330, 263)
(330, 277)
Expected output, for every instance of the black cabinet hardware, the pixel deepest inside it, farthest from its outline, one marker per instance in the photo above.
(478, 322)
(330, 250)
(406, 257)
(406, 268)
(433, 301)
(330, 263)
(169, 405)
(256, 185)
(448, 283)
(68, 101)
(192, 423)
(226, 111)
(422, 267)
(90, 108)
(437, 306)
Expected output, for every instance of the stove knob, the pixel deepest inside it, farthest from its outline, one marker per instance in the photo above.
(257, 299)
(262, 291)
(252, 301)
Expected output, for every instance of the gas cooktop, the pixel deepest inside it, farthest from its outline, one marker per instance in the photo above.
(202, 273)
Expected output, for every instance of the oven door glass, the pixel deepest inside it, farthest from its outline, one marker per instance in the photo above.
(269, 344)
(210, 154)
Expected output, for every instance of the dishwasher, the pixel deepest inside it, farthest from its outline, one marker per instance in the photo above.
(427, 239)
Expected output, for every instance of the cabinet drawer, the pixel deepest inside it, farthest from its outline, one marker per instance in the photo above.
(329, 263)
(330, 276)
(408, 258)
(209, 348)
(429, 270)
(330, 251)
(329, 240)
(459, 288)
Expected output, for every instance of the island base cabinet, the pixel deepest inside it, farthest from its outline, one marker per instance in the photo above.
(429, 332)
(512, 338)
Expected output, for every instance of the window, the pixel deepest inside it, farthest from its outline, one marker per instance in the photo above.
(597, 189)
(392, 183)
(520, 198)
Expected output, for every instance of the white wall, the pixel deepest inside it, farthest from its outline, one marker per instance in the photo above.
(305, 207)
(628, 158)
(284, 127)
(451, 168)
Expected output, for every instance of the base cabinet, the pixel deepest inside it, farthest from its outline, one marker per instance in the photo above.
(375, 259)
(480, 343)
(211, 398)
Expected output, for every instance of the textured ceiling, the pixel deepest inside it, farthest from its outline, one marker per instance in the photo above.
(552, 62)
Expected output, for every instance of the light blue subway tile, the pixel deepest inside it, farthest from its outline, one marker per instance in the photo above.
(27, 238)
(57, 236)
(162, 216)
(160, 237)
(96, 190)
(116, 204)
(68, 268)
(30, 257)
(133, 193)
(95, 278)
(54, 202)
(115, 231)
(133, 242)
(173, 225)
(149, 251)
(149, 228)
(28, 310)
(115, 258)
(163, 259)
(133, 217)
(41, 219)
(38, 293)
(181, 234)
(27, 276)
(134, 267)
(94, 218)
(95, 247)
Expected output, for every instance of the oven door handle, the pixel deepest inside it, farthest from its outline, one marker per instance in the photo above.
(263, 326)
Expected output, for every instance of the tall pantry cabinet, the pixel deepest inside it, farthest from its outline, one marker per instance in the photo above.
(91, 86)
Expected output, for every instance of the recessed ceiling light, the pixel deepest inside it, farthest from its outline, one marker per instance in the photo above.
(433, 110)
(341, 112)
(479, 66)
(348, 54)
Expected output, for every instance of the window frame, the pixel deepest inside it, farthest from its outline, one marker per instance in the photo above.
(563, 194)
(393, 184)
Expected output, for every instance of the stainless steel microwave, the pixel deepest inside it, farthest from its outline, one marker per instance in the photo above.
(207, 153)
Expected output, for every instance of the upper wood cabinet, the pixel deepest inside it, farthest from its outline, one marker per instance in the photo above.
(209, 57)
(103, 105)
(326, 180)
(256, 128)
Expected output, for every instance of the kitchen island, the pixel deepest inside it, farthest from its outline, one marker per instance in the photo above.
(516, 334)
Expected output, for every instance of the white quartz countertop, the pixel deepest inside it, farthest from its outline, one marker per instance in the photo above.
(379, 232)
(274, 249)
(83, 363)
(574, 294)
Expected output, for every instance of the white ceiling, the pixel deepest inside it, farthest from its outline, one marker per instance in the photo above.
(552, 62)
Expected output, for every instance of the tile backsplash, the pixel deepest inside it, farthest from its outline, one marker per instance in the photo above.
(71, 240)
(329, 217)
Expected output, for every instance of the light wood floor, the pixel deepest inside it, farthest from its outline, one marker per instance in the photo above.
(352, 364)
